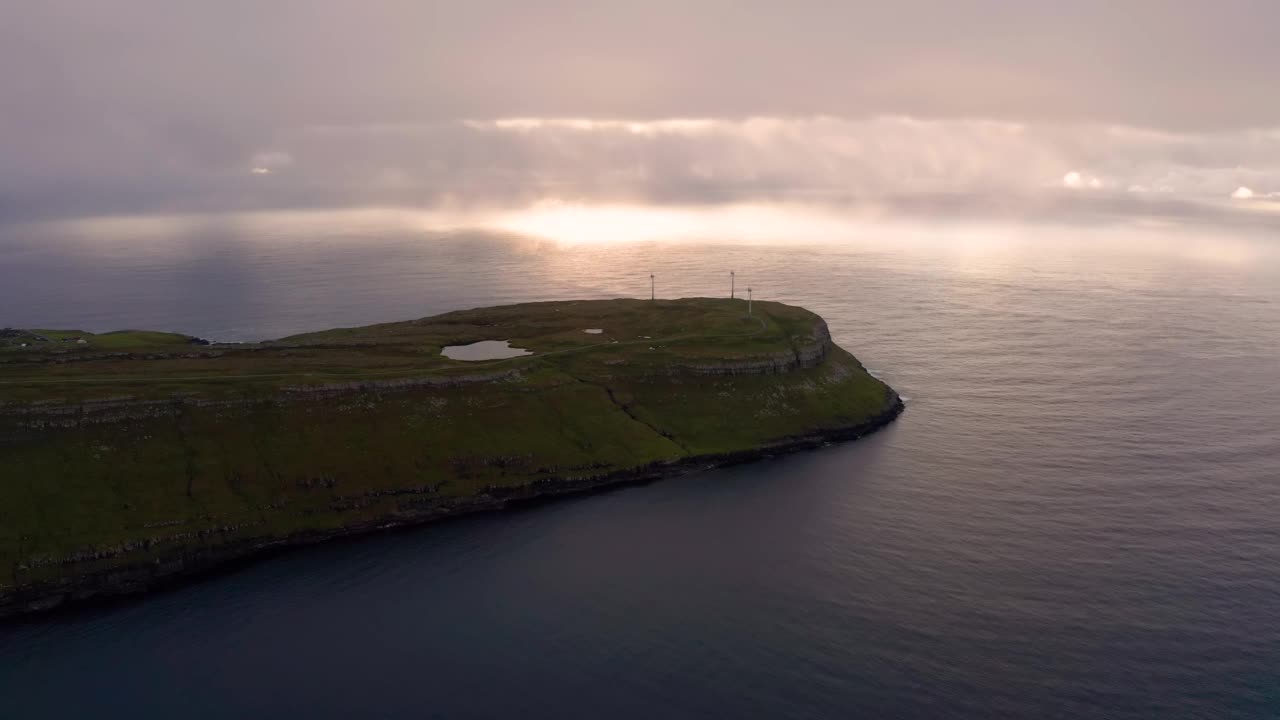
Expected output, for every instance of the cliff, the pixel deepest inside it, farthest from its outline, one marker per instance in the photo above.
(129, 464)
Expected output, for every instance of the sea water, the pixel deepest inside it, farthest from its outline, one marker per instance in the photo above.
(1076, 517)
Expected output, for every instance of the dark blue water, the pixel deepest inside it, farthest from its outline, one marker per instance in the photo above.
(1077, 517)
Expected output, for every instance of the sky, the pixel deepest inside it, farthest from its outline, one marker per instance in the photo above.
(943, 107)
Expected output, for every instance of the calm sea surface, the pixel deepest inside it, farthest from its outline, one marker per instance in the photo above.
(1077, 517)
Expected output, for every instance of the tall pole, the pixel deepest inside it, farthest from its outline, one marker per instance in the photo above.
(748, 302)
(652, 291)
(732, 280)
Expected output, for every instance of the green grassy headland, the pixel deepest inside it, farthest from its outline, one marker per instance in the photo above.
(130, 450)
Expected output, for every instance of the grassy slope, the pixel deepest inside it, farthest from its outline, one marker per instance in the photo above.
(265, 464)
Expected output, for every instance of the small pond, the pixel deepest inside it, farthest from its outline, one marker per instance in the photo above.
(483, 350)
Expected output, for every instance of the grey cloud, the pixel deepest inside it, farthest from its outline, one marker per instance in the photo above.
(1157, 63)
(898, 164)
(167, 103)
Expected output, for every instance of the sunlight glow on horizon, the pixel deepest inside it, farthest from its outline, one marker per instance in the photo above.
(746, 223)
(967, 246)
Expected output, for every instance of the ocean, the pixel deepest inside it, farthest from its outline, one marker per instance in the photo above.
(1078, 515)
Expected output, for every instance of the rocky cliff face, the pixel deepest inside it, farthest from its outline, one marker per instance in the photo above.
(116, 409)
(807, 354)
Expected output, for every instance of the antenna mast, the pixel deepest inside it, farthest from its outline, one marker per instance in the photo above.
(652, 291)
(732, 281)
(748, 302)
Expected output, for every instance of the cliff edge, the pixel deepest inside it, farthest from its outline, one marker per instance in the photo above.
(133, 458)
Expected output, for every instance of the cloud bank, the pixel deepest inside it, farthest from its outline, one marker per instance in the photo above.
(966, 106)
(895, 164)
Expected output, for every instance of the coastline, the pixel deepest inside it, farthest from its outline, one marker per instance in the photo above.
(132, 581)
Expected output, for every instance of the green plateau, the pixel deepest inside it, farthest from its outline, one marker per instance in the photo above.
(131, 458)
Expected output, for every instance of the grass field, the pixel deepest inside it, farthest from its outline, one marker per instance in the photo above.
(149, 364)
(138, 445)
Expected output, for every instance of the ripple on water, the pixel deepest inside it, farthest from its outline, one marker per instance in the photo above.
(1075, 517)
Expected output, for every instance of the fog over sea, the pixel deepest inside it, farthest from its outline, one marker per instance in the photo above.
(1078, 516)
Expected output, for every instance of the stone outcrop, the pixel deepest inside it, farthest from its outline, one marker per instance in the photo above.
(808, 354)
(39, 415)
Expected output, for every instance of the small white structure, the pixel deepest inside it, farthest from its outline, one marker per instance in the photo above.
(593, 331)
